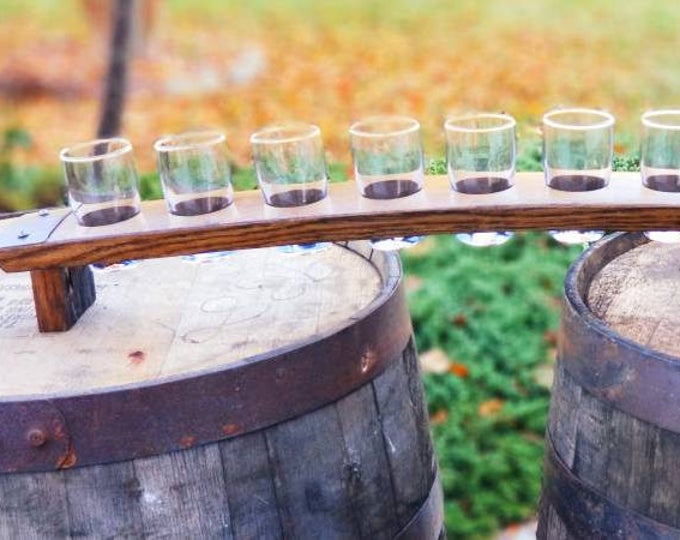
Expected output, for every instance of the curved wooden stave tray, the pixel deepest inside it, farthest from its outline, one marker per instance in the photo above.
(56, 250)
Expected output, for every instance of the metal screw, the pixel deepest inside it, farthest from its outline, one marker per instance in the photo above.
(36, 437)
(22, 235)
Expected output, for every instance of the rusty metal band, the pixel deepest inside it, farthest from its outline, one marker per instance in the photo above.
(428, 522)
(178, 413)
(588, 514)
(632, 378)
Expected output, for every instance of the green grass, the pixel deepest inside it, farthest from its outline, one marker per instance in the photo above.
(493, 311)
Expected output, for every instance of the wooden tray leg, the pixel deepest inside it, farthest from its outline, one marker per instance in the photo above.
(61, 296)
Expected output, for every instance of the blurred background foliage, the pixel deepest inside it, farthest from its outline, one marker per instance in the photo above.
(486, 319)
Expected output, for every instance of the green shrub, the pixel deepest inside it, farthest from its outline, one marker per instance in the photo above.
(25, 187)
(494, 313)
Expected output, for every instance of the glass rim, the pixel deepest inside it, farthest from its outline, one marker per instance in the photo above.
(189, 140)
(126, 147)
(451, 123)
(287, 133)
(647, 119)
(607, 118)
(356, 128)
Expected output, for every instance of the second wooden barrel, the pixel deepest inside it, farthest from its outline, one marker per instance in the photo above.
(612, 466)
(261, 395)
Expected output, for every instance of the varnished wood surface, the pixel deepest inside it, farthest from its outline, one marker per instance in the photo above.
(624, 205)
(167, 317)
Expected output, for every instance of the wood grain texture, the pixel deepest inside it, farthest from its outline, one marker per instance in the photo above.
(609, 426)
(253, 507)
(33, 507)
(167, 318)
(61, 296)
(638, 296)
(624, 205)
(325, 474)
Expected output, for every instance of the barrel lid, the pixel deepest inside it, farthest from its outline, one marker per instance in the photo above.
(166, 317)
(175, 354)
(637, 295)
(615, 332)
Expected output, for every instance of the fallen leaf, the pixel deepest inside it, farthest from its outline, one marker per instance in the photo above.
(434, 361)
(490, 407)
(459, 370)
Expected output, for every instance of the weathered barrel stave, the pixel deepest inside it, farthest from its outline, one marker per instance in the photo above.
(361, 467)
(612, 467)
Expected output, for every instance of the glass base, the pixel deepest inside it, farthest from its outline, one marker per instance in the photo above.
(200, 258)
(314, 247)
(667, 237)
(576, 237)
(123, 265)
(396, 243)
(484, 239)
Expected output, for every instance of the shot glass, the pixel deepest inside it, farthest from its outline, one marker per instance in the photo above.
(102, 181)
(387, 154)
(194, 172)
(660, 159)
(481, 151)
(577, 156)
(290, 166)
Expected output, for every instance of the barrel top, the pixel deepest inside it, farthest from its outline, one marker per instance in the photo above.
(167, 318)
(637, 295)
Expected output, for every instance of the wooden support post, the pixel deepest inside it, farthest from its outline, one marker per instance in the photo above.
(61, 296)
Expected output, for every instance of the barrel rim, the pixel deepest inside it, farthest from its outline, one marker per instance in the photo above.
(579, 277)
(204, 406)
(609, 366)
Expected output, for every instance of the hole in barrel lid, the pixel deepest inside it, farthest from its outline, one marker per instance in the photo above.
(136, 357)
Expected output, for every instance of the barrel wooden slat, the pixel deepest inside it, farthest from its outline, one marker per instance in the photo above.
(19, 497)
(369, 481)
(252, 516)
(397, 423)
(103, 501)
(184, 491)
(309, 489)
(359, 463)
(615, 369)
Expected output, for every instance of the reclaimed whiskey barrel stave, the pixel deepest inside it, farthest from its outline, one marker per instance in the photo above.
(612, 467)
(262, 396)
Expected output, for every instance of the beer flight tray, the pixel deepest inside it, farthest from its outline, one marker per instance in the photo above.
(56, 250)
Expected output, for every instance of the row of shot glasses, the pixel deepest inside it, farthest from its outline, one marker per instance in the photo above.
(388, 161)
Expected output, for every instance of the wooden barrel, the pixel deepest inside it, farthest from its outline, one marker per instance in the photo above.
(612, 466)
(262, 395)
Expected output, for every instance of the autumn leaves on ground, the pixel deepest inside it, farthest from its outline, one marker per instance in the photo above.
(239, 65)
(485, 320)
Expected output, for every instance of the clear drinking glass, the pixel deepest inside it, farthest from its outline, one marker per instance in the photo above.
(660, 159)
(577, 156)
(291, 169)
(194, 172)
(481, 151)
(387, 153)
(196, 178)
(102, 181)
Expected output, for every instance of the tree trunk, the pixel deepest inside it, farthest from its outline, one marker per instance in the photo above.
(117, 74)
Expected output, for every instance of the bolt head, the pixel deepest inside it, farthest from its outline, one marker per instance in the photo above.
(36, 437)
